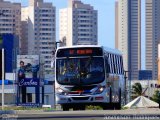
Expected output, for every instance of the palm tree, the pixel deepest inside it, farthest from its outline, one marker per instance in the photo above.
(137, 90)
(156, 96)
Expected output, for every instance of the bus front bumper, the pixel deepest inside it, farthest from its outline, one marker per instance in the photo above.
(63, 99)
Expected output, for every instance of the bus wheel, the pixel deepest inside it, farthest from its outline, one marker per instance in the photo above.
(104, 108)
(82, 107)
(65, 108)
(79, 107)
(107, 106)
(117, 106)
(76, 107)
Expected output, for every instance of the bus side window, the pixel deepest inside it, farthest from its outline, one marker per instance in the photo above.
(107, 65)
(121, 64)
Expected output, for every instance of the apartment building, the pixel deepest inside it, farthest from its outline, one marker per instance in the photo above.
(39, 30)
(10, 18)
(78, 24)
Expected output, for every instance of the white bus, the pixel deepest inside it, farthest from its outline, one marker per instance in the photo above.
(89, 75)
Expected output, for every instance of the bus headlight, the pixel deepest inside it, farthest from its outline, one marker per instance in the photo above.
(99, 90)
(60, 91)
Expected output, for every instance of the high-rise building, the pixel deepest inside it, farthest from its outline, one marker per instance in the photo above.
(78, 24)
(116, 24)
(152, 35)
(10, 18)
(128, 36)
(38, 30)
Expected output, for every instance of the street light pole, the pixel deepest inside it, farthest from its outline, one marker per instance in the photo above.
(125, 77)
(3, 72)
(57, 44)
(2, 78)
(148, 88)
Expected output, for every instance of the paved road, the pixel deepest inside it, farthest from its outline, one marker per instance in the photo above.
(145, 114)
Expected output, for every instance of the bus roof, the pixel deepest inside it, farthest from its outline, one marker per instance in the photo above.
(78, 46)
(113, 51)
(106, 49)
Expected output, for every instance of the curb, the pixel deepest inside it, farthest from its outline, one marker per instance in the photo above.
(28, 111)
(7, 112)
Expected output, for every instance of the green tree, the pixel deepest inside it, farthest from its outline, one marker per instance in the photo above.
(136, 90)
(156, 96)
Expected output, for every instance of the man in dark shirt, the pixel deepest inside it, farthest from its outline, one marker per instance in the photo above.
(21, 71)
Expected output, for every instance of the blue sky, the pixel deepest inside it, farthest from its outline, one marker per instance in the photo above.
(106, 20)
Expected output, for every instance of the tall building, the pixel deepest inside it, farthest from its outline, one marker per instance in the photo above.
(78, 24)
(128, 36)
(116, 24)
(38, 30)
(10, 18)
(152, 35)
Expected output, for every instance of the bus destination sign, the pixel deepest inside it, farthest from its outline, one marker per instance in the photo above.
(73, 52)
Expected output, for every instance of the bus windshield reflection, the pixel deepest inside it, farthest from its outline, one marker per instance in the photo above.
(80, 71)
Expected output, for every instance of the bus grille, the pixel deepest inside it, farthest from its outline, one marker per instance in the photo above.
(80, 98)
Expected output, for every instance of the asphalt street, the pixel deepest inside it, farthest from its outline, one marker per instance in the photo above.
(133, 114)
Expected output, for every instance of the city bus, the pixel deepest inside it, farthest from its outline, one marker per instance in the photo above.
(89, 75)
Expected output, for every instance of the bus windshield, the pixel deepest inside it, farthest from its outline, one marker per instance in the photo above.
(80, 71)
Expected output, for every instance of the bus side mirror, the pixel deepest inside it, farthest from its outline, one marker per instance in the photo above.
(52, 63)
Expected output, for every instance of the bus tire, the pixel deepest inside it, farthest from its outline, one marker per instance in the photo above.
(82, 107)
(79, 107)
(108, 106)
(75, 108)
(117, 106)
(65, 108)
(104, 107)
